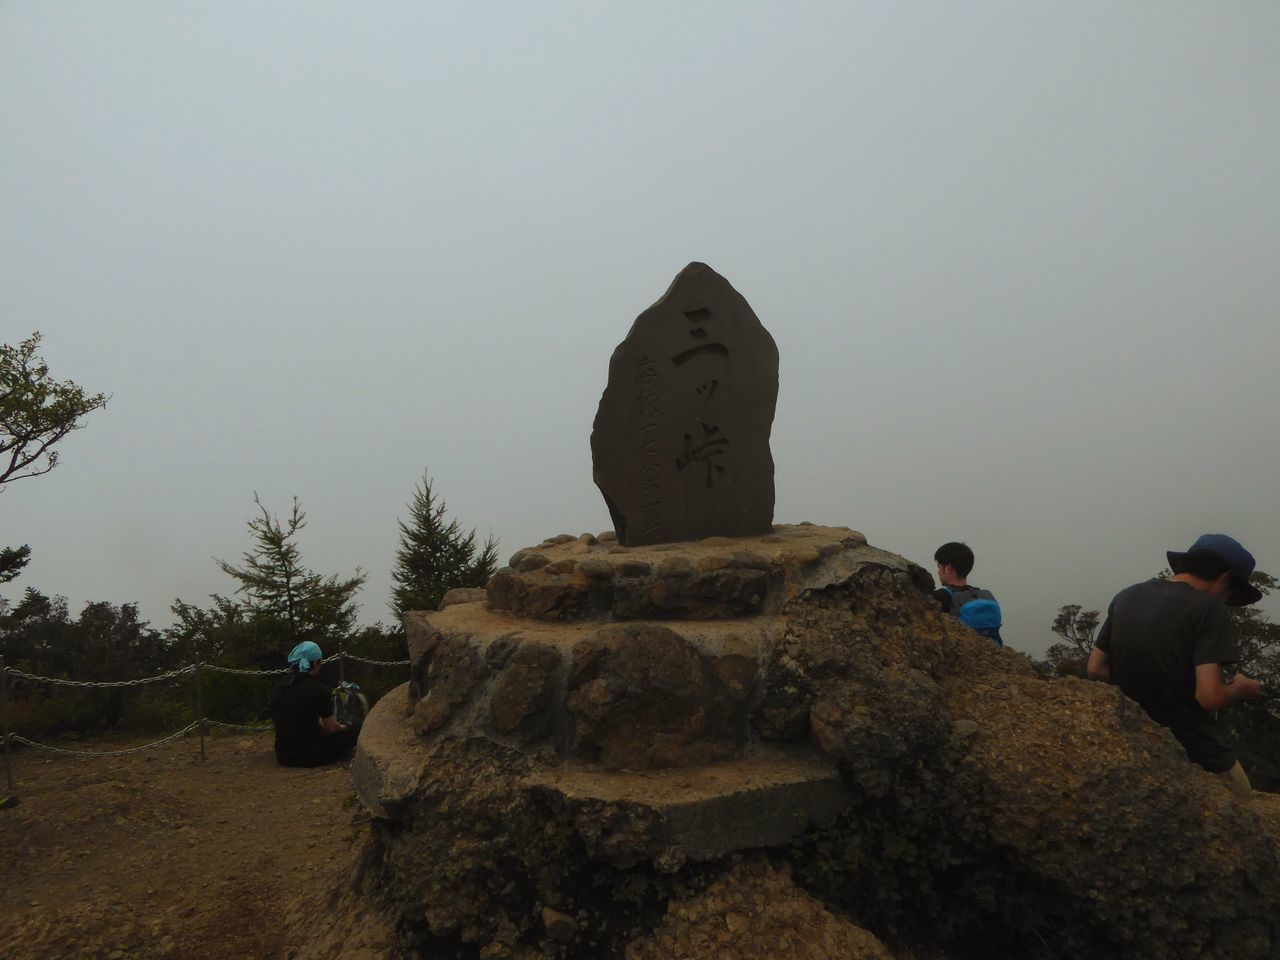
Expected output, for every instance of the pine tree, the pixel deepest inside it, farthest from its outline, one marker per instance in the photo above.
(12, 560)
(435, 555)
(288, 602)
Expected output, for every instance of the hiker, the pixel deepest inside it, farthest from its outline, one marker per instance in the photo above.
(307, 732)
(1168, 644)
(972, 606)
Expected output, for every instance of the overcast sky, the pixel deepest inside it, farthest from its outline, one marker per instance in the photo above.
(1021, 261)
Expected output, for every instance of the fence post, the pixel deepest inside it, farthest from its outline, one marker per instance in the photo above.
(200, 704)
(4, 724)
(342, 665)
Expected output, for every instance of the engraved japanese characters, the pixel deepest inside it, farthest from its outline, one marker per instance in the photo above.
(680, 444)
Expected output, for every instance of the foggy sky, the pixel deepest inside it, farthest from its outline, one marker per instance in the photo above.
(1020, 262)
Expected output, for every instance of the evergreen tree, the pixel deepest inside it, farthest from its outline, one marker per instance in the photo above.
(287, 602)
(435, 555)
(12, 560)
(33, 632)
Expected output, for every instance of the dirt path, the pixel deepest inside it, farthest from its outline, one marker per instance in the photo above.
(159, 854)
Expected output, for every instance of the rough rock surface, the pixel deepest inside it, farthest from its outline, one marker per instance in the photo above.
(928, 794)
(755, 912)
(680, 444)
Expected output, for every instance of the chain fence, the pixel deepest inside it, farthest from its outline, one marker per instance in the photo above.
(248, 727)
(197, 725)
(48, 748)
(377, 663)
(106, 684)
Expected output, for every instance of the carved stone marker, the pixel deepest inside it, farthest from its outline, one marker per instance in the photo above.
(680, 444)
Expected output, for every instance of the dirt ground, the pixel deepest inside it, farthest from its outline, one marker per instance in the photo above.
(160, 854)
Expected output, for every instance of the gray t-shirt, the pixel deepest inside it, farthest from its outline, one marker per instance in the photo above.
(1155, 635)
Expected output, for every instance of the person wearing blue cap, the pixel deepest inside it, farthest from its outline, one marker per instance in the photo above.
(307, 732)
(1168, 644)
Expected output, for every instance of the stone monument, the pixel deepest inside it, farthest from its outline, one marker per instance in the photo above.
(680, 445)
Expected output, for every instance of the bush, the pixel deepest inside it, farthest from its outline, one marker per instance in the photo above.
(158, 712)
(231, 698)
(39, 713)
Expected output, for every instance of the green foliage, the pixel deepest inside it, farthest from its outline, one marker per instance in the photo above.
(39, 712)
(36, 411)
(12, 560)
(231, 698)
(225, 633)
(1255, 724)
(106, 642)
(157, 709)
(285, 602)
(435, 556)
(1076, 627)
(1257, 638)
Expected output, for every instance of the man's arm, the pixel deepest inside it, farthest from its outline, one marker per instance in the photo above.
(1213, 694)
(327, 718)
(1099, 667)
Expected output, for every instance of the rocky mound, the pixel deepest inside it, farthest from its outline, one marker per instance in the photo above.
(776, 746)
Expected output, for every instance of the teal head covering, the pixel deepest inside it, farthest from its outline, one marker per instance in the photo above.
(304, 655)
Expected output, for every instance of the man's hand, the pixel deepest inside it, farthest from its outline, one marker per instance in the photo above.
(1212, 694)
(1244, 688)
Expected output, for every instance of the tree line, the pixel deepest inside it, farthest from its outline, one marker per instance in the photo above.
(276, 600)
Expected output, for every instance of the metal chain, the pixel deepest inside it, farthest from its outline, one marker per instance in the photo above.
(184, 671)
(377, 663)
(256, 728)
(236, 671)
(18, 738)
(246, 673)
(60, 681)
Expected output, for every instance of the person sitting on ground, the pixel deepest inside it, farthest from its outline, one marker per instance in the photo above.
(307, 732)
(972, 606)
(1168, 644)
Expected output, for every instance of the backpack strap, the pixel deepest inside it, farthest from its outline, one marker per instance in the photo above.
(962, 596)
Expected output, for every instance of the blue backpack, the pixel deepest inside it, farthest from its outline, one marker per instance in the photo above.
(978, 610)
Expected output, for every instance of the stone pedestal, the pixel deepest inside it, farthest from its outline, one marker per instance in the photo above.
(631, 658)
(774, 743)
(628, 678)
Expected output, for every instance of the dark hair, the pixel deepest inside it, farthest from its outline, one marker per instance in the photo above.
(955, 555)
(1204, 564)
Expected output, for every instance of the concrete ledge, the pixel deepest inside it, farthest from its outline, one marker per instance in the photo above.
(697, 813)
